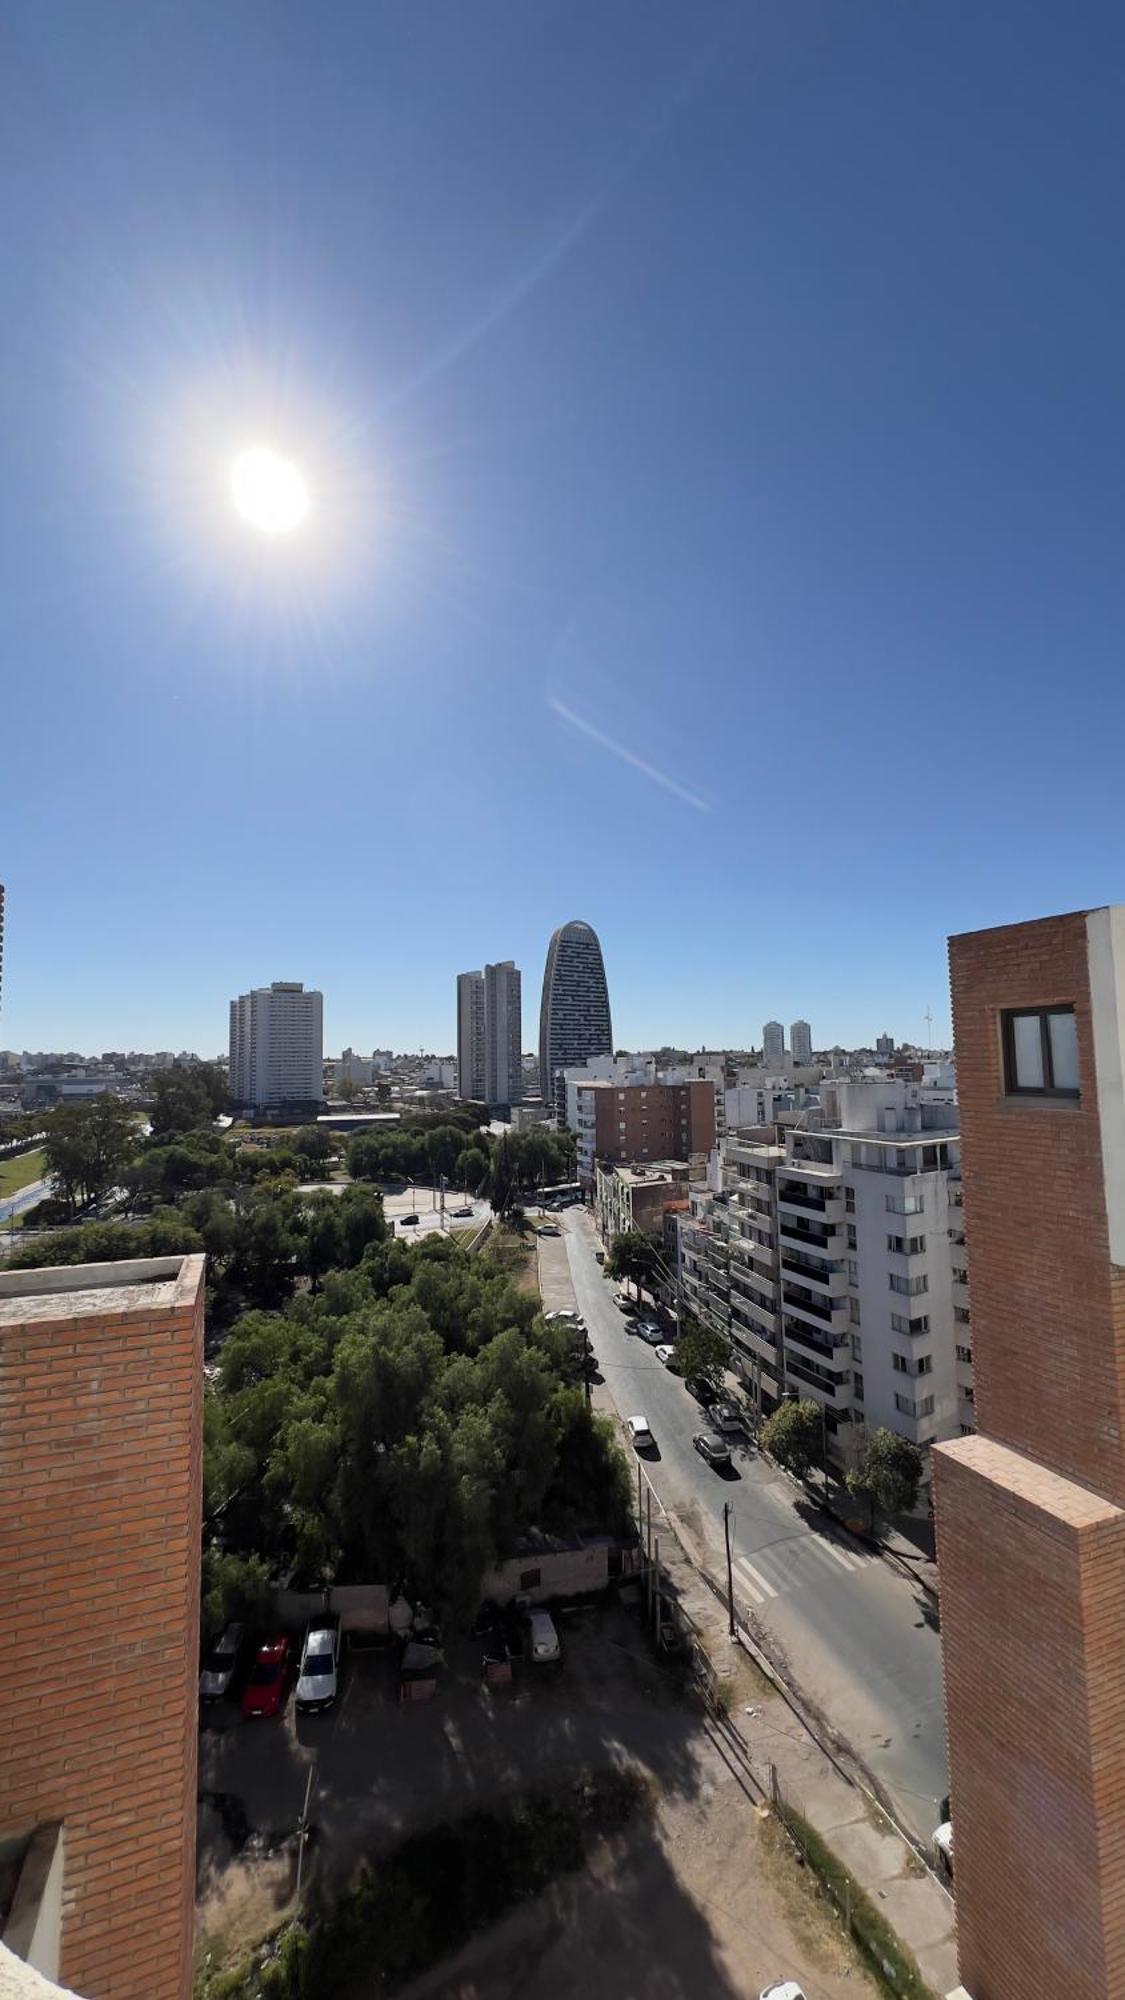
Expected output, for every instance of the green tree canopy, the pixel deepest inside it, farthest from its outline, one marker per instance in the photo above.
(889, 1473)
(703, 1354)
(632, 1256)
(89, 1147)
(794, 1436)
(185, 1097)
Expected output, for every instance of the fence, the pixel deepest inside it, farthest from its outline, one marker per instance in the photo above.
(889, 1960)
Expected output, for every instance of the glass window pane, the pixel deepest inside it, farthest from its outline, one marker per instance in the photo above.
(1064, 1051)
(1027, 1049)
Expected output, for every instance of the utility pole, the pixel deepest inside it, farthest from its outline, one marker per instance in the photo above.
(824, 1446)
(727, 1512)
(303, 1829)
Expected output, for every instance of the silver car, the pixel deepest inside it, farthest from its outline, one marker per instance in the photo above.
(218, 1667)
(318, 1679)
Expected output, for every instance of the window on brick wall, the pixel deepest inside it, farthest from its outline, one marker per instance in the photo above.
(1040, 1052)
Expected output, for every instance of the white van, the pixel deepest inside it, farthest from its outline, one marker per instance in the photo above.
(543, 1649)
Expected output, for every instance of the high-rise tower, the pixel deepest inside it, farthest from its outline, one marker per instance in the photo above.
(574, 1019)
(470, 1036)
(503, 1035)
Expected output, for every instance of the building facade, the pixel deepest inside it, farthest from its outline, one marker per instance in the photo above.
(835, 1262)
(503, 1034)
(773, 1042)
(277, 1049)
(638, 1197)
(470, 1037)
(101, 1371)
(1031, 1511)
(642, 1122)
(574, 1015)
(800, 1042)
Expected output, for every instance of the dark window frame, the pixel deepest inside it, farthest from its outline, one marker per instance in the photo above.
(1064, 1094)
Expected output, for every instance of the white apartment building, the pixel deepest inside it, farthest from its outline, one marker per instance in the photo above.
(503, 1034)
(800, 1042)
(277, 1048)
(837, 1266)
(470, 1036)
(773, 1042)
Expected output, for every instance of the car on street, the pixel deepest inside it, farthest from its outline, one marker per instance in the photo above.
(318, 1679)
(651, 1331)
(541, 1641)
(640, 1433)
(725, 1417)
(699, 1387)
(406, 1221)
(665, 1352)
(783, 1989)
(624, 1302)
(266, 1687)
(563, 1313)
(466, 1208)
(549, 1229)
(218, 1667)
(712, 1447)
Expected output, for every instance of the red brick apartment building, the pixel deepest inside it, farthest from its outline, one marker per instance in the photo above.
(1031, 1511)
(642, 1122)
(100, 1491)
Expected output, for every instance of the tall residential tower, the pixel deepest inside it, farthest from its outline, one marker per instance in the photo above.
(503, 1034)
(800, 1042)
(277, 1049)
(773, 1042)
(470, 1036)
(574, 1018)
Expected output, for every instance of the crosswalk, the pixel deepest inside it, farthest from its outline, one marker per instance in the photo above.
(796, 1564)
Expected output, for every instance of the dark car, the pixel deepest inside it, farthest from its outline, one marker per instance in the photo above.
(405, 1221)
(712, 1447)
(700, 1388)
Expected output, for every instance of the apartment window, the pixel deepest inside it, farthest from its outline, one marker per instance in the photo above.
(853, 1311)
(849, 1200)
(960, 1274)
(911, 1286)
(851, 1236)
(1040, 1052)
(907, 1204)
(906, 1246)
(961, 1315)
(925, 1408)
(901, 1364)
(857, 1348)
(965, 1354)
(968, 1430)
(924, 1365)
(905, 1404)
(853, 1271)
(857, 1387)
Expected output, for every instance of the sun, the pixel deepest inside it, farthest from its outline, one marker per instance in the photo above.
(269, 491)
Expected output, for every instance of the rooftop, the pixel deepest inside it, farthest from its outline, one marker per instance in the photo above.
(73, 1291)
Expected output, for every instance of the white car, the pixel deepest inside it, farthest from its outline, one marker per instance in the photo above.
(318, 1679)
(219, 1666)
(725, 1417)
(664, 1352)
(543, 1647)
(563, 1313)
(650, 1330)
(786, 1989)
(640, 1435)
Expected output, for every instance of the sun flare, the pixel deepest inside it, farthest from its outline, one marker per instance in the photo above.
(269, 491)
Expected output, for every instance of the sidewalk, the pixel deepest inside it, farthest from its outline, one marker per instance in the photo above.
(778, 1745)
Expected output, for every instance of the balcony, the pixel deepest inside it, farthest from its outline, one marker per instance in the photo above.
(749, 1313)
(822, 1208)
(807, 1236)
(835, 1390)
(821, 1311)
(834, 1280)
(825, 1347)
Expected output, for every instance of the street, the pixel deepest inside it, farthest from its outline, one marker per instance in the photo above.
(854, 1637)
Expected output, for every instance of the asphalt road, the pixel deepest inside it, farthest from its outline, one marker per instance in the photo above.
(25, 1197)
(858, 1640)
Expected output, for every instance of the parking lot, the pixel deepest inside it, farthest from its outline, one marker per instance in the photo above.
(689, 1902)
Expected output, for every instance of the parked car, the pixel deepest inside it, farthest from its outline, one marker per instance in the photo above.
(549, 1229)
(563, 1312)
(218, 1667)
(712, 1447)
(640, 1434)
(783, 1989)
(318, 1679)
(265, 1689)
(541, 1642)
(664, 1352)
(623, 1300)
(466, 1208)
(725, 1417)
(407, 1220)
(699, 1387)
(650, 1330)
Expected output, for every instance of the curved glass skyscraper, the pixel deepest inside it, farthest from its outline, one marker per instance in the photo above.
(574, 1020)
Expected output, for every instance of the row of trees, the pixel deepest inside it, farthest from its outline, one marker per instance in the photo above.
(410, 1421)
(887, 1474)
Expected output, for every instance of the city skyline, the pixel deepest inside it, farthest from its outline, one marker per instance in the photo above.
(870, 462)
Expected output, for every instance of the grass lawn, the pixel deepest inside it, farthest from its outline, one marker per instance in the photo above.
(20, 1172)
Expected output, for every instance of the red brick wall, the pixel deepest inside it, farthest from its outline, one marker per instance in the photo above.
(1048, 1315)
(100, 1487)
(1033, 1578)
(663, 1121)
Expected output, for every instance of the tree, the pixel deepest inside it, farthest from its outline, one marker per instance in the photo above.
(186, 1097)
(703, 1355)
(889, 1473)
(346, 1089)
(315, 1148)
(632, 1256)
(89, 1147)
(794, 1436)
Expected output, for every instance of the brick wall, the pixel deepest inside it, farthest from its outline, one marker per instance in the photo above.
(1048, 1313)
(663, 1121)
(1033, 1576)
(100, 1491)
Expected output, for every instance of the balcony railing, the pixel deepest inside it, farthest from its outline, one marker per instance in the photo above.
(829, 1386)
(812, 1273)
(798, 1196)
(826, 1348)
(801, 1232)
(810, 1302)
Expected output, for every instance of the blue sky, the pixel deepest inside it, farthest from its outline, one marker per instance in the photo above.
(714, 419)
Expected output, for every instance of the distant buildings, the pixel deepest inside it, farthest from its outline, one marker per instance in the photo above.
(884, 1045)
(1031, 1511)
(277, 1049)
(800, 1042)
(773, 1042)
(503, 1034)
(1, 947)
(574, 1015)
(470, 1037)
(101, 1384)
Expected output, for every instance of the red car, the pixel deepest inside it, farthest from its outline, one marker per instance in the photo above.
(266, 1686)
